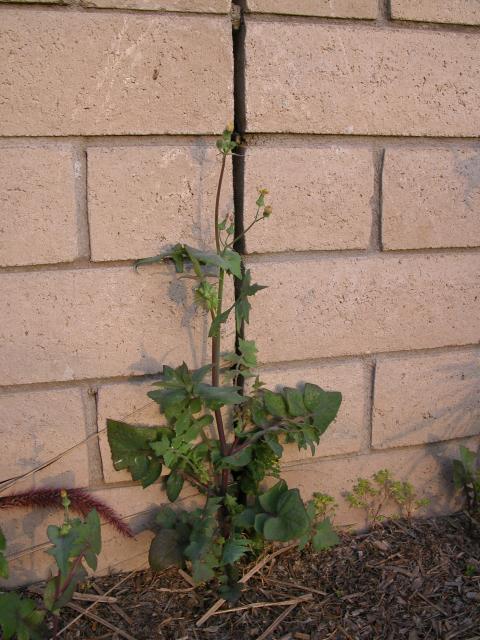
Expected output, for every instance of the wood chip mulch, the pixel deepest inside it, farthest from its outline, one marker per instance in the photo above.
(407, 580)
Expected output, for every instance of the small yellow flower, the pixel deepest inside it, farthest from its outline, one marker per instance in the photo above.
(263, 192)
(229, 127)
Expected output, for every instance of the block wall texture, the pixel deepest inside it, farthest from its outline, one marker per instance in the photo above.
(361, 117)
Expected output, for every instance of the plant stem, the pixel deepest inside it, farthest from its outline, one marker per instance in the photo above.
(216, 339)
(217, 204)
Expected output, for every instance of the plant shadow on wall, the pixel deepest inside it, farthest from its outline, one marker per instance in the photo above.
(238, 516)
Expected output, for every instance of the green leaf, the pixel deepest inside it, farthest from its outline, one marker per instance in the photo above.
(62, 546)
(270, 498)
(165, 551)
(323, 404)
(219, 319)
(325, 536)
(260, 520)
(3, 566)
(130, 448)
(274, 403)
(20, 616)
(219, 395)
(245, 519)
(292, 520)
(234, 549)
(174, 485)
(468, 459)
(166, 517)
(234, 262)
(272, 440)
(199, 374)
(3, 541)
(3, 560)
(240, 459)
(248, 350)
(296, 408)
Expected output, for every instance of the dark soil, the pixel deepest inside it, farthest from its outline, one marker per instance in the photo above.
(405, 579)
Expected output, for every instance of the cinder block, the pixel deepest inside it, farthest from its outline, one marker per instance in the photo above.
(321, 197)
(89, 323)
(143, 200)
(431, 198)
(39, 425)
(38, 219)
(198, 6)
(338, 9)
(426, 398)
(349, 432)
(315, 78)
(452, 11)
(105, 73)
(317, 307)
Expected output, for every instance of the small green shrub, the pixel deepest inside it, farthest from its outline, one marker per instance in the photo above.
(237, 517)
(374, 494)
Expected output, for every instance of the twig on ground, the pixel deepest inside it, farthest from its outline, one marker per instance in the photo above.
(259, 605)
(278, 621)
(102, 621)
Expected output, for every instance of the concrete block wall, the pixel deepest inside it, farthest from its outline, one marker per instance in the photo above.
(361, 117)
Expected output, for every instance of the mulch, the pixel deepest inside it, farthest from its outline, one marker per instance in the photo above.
(407, 580)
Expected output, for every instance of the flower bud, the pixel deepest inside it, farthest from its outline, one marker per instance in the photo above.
(229, 127)
(267, 211)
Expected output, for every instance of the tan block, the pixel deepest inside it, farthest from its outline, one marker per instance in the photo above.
(36, 427)
(87, 323)
(198, 6)
(311, 77)
(38, 219)
(349, 431)
(318, 307)
(331, 9)
(426, 398)
(84, 73)
(321, 197)
(428, 469)
(143, 200)
(453, 11)
(431, 198)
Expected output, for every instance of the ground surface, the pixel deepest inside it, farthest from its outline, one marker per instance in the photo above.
(412, 580)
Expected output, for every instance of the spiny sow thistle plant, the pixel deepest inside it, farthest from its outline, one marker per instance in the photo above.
(237, 517)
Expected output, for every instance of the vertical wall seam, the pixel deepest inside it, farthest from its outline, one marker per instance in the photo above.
(240, 125)
(371, 401)
(377, 201)
(81, 206)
